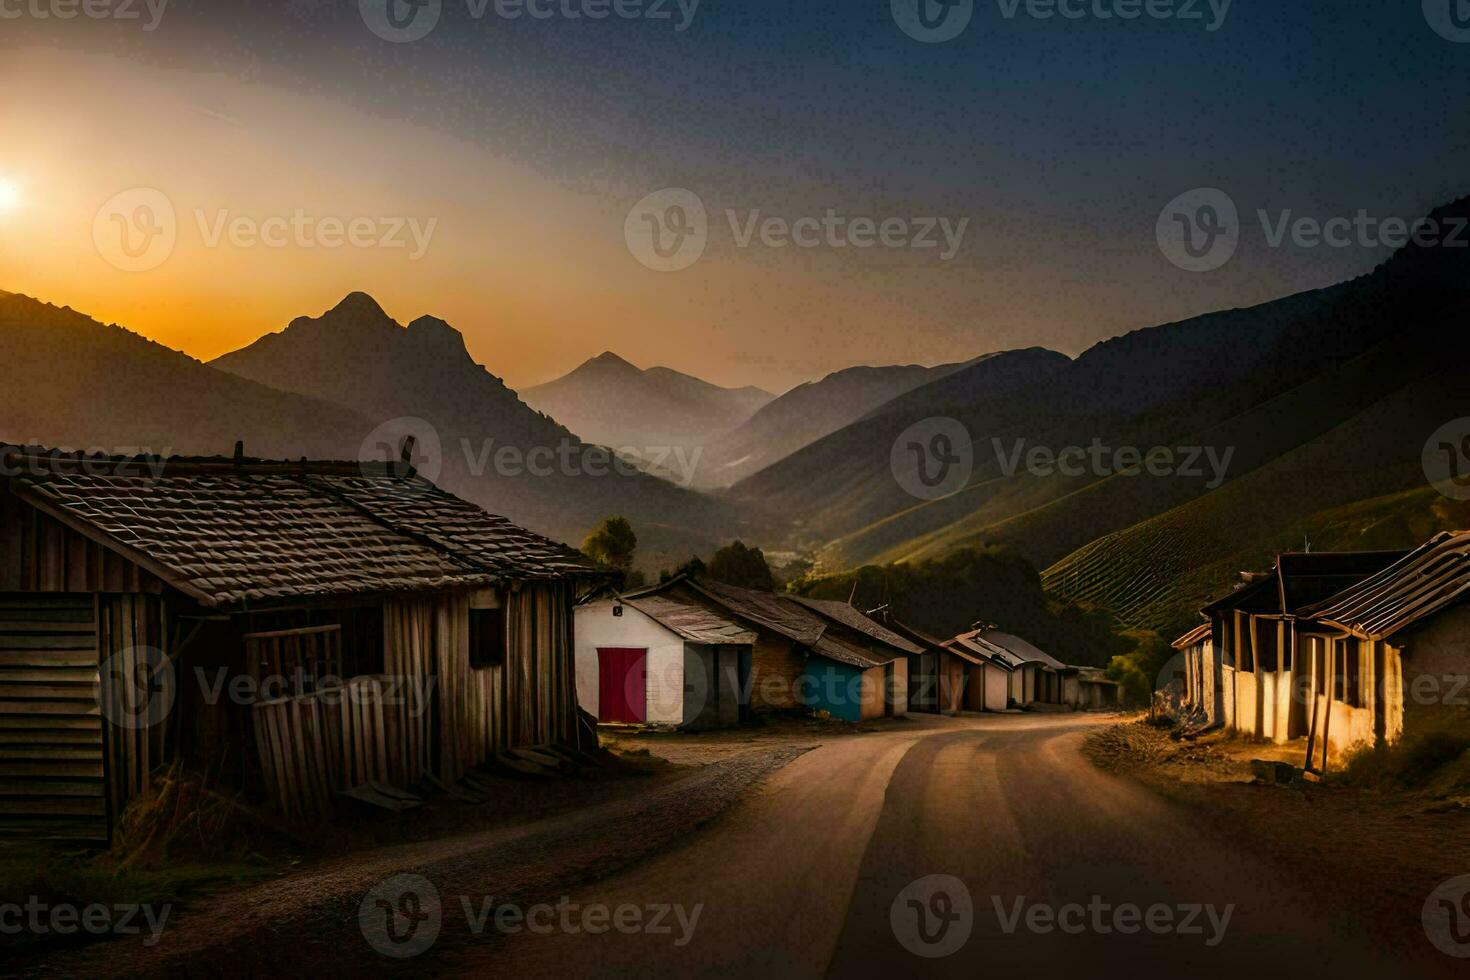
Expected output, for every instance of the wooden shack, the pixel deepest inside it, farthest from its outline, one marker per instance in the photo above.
(1254, 636)
(808, 656)
(293, 629)
(1389, 655)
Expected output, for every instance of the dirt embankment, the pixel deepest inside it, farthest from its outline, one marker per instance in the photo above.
(309, 922)
(1384, 850)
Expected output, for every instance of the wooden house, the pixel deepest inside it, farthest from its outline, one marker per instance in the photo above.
(1199, 678)
(982, 675)
(1389, 655)
(654, 661)
(807, 656)
(1255, 638)
(1037, 676)
(294, 629)
(1090, 689)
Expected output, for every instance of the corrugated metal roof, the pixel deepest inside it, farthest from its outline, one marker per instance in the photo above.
(693, 623)
(847, 615)
(1299, 579)
(836, 648)
(1023, 650)
(980, 647)
(1418, 585)
(228, 532)
(767, 609)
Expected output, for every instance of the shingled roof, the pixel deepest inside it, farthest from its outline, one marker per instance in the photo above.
(227, 531)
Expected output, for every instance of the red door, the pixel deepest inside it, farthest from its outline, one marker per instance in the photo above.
(622, 685)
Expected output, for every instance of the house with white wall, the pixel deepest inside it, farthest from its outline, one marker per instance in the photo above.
(654, 661)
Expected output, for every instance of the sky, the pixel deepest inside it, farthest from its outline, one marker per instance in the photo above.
(206, 171)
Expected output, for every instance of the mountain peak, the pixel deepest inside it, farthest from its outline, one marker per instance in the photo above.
(358, 304)
(437, 334)
(608, 359)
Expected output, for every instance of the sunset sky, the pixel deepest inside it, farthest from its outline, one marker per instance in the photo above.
(524, 143)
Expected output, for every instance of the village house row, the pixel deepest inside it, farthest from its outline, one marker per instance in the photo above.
(305, 631)
(1345, 649)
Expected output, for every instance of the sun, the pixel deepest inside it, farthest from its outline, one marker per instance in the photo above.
(9, 196)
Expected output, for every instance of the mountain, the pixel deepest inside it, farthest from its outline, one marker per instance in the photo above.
(75, 383)
(805, 414)
(1322, 401)
(482, 440)
(610, 402)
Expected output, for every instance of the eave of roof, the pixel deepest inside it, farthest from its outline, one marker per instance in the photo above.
(1422, 583)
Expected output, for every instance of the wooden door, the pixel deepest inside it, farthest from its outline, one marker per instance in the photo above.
(622, 685)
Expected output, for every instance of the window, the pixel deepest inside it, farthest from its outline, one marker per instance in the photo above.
(487, 638)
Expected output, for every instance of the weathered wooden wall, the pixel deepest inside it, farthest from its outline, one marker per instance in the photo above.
(40, 554)
(430, 714)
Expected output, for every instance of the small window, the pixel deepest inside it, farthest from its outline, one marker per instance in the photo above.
(487, 638)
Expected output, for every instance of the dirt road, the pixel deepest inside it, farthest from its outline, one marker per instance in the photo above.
(1061, 870)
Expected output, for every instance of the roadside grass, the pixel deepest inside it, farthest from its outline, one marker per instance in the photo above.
(1434, 759)
(48, 879)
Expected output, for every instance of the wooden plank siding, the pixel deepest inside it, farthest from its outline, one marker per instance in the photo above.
(52, 777)
(430, 714)
(39, 554)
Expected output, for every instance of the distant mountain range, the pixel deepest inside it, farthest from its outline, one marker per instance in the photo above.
(1315, 408)
(1323, 400)
(491, 446)
(805, 414)
(611, 402)
(349, 384)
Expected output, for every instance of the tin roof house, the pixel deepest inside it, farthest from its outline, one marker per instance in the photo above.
(654, 661)
(1388, 655)
(808, 655)
(304, 629)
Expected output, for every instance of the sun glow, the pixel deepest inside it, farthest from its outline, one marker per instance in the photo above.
(9, 196)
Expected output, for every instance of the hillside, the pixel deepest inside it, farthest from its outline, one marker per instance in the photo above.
(77, 383)
(610, 402)
(491, 447)
(1257, 383)
(805, 414)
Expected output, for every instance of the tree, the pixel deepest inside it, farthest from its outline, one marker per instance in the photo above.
(612, 544)
(735, 564)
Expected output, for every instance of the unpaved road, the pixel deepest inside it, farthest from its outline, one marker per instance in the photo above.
(801, 879)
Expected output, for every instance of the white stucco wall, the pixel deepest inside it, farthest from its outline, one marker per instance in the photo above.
(598, 627)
